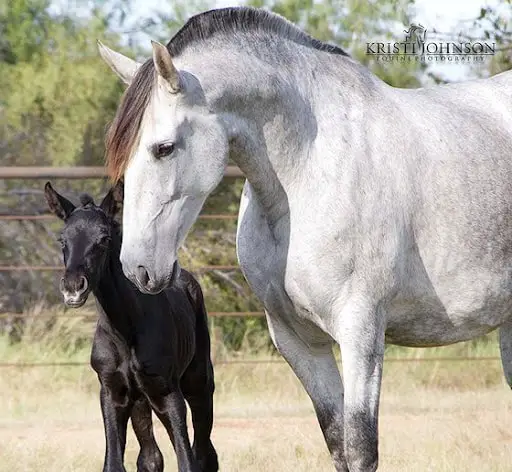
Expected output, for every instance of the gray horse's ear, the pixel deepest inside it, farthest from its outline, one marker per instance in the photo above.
(165, 67)
(123, 66)
(113, 200)
(59, 205)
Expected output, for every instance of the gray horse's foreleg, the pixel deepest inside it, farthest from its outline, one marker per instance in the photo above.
(314, 364)
(361, 339)
(506, 350)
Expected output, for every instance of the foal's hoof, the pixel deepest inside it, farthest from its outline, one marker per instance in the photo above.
(151, 461)
(209, 463)
(212, 462)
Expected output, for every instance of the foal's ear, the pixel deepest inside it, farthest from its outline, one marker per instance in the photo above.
(113, 200)
(59, 205)
(123, 66)
(165, 67)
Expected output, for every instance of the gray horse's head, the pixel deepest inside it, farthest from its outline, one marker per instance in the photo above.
(185, 110)
(172, 151)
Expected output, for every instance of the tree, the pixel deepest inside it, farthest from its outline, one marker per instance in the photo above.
(57, 93)
(24, 30)
(496, 24)
(492, 25)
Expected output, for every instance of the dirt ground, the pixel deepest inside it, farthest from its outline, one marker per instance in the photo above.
(264, 422)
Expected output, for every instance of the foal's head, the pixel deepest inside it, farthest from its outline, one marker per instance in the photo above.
(85, 239)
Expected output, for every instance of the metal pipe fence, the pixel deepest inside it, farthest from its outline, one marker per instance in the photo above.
(49, 216)
(78, 173)
(211, 314)
(266, 361)
(37, 268)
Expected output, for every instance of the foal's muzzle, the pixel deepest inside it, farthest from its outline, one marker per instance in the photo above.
(75, 290)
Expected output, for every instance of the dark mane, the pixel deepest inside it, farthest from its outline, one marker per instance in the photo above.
(86, 199)
(124, 130)
(242, 19)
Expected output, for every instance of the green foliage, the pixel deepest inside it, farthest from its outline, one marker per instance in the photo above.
(493, 25)
(496, 23)
(179, 12)
(24, 30)
(58, 94)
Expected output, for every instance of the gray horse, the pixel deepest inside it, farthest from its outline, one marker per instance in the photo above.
(370, 214)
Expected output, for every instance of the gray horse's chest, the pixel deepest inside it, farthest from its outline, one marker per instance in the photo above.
(261, 259)
(278, 271)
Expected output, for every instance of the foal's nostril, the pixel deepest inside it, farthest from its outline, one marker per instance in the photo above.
(82, 287)
(142, 276)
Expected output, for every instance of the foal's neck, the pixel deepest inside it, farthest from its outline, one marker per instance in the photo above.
(114, 292)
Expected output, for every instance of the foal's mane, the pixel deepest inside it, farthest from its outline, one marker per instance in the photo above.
(124, 130)
(86, 199)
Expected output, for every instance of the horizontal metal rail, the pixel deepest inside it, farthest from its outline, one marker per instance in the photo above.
(30, 172)
(14, 268)
(49, 216)
(212, 314)
(259, 361)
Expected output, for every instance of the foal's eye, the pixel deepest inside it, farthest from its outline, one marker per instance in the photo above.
(162, 150)
(104, 241)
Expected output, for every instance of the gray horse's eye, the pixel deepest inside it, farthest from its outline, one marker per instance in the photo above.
(162, 150)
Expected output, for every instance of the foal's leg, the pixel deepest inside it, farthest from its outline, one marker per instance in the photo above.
(114, 397)
(169, 405)
(197, 384)
(150, 458)
(506, 350)
(198, 387)
(115, 408)
(314, 364)
(361, 338)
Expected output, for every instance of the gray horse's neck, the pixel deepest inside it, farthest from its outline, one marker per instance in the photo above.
(273, 104)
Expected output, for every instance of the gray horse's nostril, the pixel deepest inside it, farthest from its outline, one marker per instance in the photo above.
(142, 276)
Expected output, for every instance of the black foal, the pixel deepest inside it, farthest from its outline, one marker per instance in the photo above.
(151, 352)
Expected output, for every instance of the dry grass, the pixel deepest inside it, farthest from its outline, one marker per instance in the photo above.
(434, 416)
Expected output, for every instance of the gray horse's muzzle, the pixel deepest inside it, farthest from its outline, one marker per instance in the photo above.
(146, 282)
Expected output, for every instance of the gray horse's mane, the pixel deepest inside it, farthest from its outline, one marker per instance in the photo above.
(242, 19)
(123, 132)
